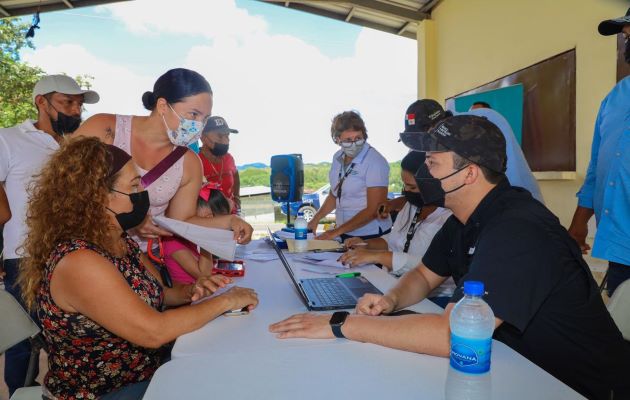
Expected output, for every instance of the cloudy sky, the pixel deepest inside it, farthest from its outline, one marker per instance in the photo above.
(278, 75)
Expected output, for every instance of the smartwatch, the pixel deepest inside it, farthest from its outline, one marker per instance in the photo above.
(336, 322)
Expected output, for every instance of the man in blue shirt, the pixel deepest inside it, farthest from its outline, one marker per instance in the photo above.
(606, 187)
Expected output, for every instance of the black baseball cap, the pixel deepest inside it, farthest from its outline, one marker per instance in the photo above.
(218, 124)
(422, 115)
(419, 117)
(474, 138)
(614, 26)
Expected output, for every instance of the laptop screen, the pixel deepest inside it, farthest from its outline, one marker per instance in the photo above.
(284, 261)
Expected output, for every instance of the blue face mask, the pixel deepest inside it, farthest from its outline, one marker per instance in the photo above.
(188, 131)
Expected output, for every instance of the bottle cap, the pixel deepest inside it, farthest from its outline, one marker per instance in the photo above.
(474, 288)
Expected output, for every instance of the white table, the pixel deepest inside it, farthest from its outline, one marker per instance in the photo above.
(237, 357)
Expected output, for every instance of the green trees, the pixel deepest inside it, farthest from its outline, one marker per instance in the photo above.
(315, 176)
(18, 78)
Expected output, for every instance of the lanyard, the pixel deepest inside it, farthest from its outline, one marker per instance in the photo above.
(158, 262)
(342, 179)
(412, 230)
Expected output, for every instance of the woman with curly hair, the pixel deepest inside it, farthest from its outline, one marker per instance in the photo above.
(99, 305)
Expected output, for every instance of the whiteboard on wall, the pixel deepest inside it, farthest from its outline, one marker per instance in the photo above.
(507, 101)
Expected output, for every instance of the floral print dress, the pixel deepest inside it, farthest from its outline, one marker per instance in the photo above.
(85, 360)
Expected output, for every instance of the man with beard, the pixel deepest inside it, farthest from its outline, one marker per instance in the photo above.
(24, 149)
(607, 182)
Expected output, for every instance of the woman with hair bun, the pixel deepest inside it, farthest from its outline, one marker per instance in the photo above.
(180, 105)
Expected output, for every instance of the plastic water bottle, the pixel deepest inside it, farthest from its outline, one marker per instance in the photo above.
(301, 233)
(472, 325)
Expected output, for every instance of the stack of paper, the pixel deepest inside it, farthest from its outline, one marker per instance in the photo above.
(321, 259)
(219, 242)
(315, 245)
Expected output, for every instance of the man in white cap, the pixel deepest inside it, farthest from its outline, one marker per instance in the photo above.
(24, 149)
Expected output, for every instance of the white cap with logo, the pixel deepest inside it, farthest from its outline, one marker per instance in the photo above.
(63, 84)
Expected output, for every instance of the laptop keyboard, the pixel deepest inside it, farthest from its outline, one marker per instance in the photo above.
(331, 292)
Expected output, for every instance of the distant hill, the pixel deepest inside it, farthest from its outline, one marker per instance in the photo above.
(252, 165)
(315, 175)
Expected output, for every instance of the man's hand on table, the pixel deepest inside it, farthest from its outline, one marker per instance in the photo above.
(375, 304)
(307, 325)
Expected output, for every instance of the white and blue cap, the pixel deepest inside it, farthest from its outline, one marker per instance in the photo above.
(474, 288)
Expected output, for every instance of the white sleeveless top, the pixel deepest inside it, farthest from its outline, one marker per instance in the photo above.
(162, 190)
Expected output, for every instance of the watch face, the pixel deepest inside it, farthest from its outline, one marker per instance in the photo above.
(339, 317)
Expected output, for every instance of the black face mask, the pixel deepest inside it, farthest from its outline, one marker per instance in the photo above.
(220, 149)
(431, 188)
(413, 198)
(65, 123)
(626, 53)
(137, 214)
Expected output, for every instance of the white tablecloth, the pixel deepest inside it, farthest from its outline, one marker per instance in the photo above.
(237, 357)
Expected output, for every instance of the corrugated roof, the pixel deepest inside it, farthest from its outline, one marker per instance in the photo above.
(399, 17)
(14, 8)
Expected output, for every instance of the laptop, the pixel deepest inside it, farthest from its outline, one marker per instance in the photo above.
(326, 293)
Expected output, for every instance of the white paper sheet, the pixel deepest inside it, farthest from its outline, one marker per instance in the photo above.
(321, 260)
(219, 242)
(257, 250)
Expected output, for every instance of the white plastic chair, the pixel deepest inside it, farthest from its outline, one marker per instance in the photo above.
(619, 308)
(16, 326)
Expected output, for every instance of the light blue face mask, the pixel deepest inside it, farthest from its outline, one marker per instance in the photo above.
(352, 149)
(188, 131)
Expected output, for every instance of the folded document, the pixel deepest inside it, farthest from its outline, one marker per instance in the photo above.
(219, 242)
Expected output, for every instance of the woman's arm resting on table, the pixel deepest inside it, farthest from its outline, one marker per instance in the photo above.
(180, 293)
(101, 293)
(361, 256)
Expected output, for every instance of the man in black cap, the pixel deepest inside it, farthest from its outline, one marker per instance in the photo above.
(420, 116)
(542, 293)
(218, 164)
(607, 182)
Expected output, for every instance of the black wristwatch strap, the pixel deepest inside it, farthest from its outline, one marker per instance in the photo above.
(336, 322)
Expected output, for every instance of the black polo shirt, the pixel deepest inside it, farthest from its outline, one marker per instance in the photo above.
(540, 286)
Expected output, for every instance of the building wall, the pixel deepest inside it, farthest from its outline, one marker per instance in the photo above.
(471, 42)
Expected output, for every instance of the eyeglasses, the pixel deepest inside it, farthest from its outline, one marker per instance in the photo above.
(349, 143)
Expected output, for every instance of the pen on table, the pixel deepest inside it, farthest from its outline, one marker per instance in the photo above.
(349, 275)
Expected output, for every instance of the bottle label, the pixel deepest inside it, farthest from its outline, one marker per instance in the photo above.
(300, 234)
(470, 355)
